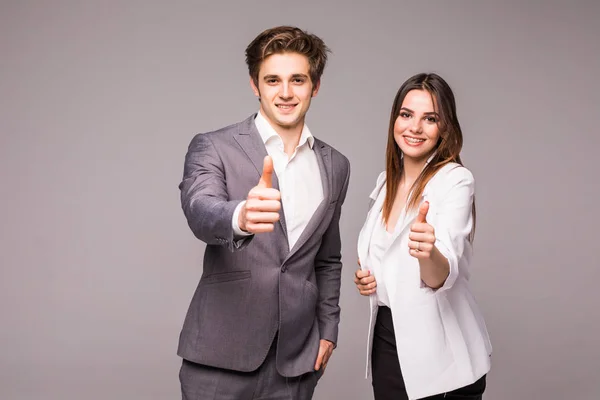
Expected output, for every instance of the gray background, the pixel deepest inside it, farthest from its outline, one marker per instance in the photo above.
(99, 100)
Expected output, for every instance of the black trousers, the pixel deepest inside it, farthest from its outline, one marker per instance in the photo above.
(388, 383)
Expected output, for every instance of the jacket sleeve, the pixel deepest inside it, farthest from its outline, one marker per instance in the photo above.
(454, 220)
(328, 270)
(204, 197)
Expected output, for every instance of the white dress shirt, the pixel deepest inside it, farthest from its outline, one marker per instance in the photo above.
(299, 179)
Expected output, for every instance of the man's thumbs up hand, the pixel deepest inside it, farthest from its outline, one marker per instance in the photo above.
(266, 179)
(261, 210)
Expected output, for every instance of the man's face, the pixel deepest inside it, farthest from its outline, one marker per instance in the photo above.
(285, 90)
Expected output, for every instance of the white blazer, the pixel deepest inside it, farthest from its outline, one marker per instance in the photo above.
(441, 337)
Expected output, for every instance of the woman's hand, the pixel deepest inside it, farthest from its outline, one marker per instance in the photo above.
(365, 282)
(422, 235)
(434, 266)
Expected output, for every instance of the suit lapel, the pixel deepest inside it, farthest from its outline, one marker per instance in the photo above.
(370, 222)
(251, 143)
(323, 153)
(410, 215)
(407, 217)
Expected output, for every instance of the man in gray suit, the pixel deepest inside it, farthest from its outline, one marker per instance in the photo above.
(263, 321)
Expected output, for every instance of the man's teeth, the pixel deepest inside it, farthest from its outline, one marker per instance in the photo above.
(414, 140)
(287, 107)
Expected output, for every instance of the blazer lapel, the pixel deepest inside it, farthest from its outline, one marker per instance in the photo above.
(250, 141)
(407, 217)
(323, 154)
(378, 196)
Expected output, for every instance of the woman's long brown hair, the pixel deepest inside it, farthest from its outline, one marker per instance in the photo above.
(447, 150)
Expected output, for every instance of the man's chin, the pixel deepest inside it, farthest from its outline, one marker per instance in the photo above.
(288, 123)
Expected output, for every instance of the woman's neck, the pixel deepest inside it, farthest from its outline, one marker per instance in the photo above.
(411, 169)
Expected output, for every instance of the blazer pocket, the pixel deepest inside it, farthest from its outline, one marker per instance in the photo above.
(226, 276)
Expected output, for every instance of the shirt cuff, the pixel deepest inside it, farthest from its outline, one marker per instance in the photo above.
(237, 232)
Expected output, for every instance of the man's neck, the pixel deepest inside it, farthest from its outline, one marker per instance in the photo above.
(289, 136)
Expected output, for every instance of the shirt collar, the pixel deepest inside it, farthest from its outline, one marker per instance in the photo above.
(267, 132)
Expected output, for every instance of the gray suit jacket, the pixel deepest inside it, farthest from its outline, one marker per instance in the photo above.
(253, 289)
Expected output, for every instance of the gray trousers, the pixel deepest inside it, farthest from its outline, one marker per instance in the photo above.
(201, 382)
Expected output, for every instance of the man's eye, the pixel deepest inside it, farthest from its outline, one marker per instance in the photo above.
(298, 80)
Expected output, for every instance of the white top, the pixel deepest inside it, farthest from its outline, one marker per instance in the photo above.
(299, 179)
(380, 242)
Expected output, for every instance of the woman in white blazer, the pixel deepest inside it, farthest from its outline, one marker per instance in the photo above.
(427, 337)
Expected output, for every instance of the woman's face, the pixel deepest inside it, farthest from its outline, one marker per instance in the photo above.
(416, 128)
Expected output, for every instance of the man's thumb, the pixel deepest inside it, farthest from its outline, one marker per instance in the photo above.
(266, 179)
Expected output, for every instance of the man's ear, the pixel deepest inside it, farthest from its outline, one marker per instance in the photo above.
(316, 88)
(254, 88)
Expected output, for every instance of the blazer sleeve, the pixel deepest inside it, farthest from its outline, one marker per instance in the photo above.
(204, 198)
(454, 220)
(328, 271)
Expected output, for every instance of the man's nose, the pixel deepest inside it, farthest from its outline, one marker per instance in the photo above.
(286, 91)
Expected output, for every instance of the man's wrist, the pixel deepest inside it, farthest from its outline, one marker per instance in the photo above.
(235, 222)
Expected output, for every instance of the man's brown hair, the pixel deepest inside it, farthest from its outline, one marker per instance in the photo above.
(283, 39)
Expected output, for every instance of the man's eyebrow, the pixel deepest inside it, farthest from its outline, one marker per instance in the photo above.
(273, 76)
